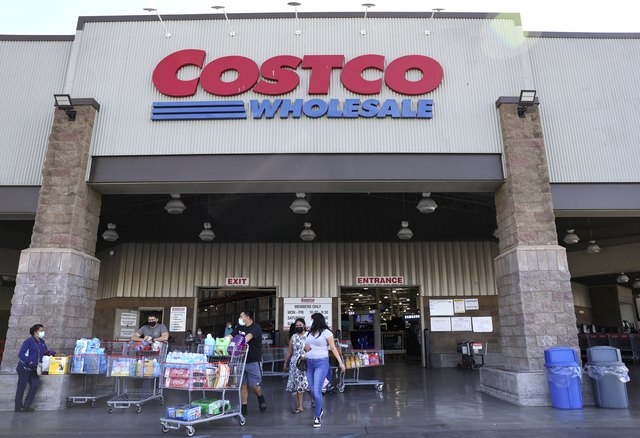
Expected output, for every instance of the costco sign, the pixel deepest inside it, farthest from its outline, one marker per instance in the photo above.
(279, 75)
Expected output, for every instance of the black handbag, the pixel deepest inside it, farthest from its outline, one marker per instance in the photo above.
(301, 363)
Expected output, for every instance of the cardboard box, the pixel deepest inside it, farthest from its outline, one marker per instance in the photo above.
(213, 407)
(188, 413)
(59, 365)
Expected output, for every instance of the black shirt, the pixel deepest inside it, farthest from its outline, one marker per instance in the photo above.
(255, 344)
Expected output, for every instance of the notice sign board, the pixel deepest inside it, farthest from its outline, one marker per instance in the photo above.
(441, 307)
(178, 319)
(304, 308)
(128, 319)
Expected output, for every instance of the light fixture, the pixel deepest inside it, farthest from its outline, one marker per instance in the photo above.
(307, 234)
(300, 205)
(166, 32)
(622, 278)
(175, 204)
(594, 248)
(231, 31)
(110, 234)
(63, 102)
(495, 234)
(433, 12)
(636, 284)
(363, 31)
(295, 8)
(405, 232)
(571, 238)
(426, 204)
(207, 235)
(527, 99)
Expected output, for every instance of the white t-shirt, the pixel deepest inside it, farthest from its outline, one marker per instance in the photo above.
(318, 344)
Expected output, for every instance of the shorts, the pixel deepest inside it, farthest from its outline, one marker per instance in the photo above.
(252, 374)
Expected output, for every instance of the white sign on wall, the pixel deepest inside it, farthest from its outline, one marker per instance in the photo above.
(461, 324)
(128, 319)
(482, 324)
(178, 319)
(441, 307)
(471, 304)
(304, 308)
(440, 324)
(126, 332)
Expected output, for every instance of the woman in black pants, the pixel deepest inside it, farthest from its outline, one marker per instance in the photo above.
(29, 357)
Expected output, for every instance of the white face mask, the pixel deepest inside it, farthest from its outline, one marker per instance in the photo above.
(41, 335)
(241, 322)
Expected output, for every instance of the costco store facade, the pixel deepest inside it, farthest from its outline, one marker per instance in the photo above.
(389, 173)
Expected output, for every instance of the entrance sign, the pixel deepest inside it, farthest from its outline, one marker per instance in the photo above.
(441, 307)
(178, 319)
(278, 76)
(236, 281)
(379, 281)
(304, 308)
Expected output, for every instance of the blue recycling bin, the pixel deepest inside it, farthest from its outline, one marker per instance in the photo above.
(564, 375)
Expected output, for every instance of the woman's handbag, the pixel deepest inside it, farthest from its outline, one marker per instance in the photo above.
(39, 369)
(301, 363)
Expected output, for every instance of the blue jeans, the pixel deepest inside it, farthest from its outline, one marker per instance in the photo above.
(316, 373)
(24, 377)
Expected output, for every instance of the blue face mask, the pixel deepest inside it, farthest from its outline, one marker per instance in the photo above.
(41, 335)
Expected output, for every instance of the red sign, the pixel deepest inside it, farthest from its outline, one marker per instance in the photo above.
(277, 75)
(379, 280)
(236, 281)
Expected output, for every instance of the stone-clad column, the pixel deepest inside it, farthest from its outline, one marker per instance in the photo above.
(58, 274)
(532, 274)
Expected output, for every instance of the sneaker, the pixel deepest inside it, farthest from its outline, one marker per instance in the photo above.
(28, 409)
(20, 410)
(316, 422)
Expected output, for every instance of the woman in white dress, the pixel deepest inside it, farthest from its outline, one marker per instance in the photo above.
(297, 383)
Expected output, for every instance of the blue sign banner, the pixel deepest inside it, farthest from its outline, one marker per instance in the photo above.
(288, 108)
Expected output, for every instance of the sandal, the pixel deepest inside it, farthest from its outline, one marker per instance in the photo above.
(298, 411)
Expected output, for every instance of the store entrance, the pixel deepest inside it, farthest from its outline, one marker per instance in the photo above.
(217, 306)
(383, 318)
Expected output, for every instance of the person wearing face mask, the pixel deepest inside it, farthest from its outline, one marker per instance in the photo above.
(30, 355)
(228, 329)
(153, 331)
(297, 383)
(252, 376)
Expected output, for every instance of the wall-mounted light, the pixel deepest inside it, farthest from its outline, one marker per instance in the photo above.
(433, 13)
(295, 9)
(527, 99)
(63, 102)
(110, 234)
(166, 32)
(231, 31)
(622, 278)
(363, 31)
(593, 248)
(636, 284)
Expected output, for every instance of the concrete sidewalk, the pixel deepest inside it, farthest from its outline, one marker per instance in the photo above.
(415, 402)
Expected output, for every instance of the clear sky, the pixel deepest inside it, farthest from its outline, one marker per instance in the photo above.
(59, 17)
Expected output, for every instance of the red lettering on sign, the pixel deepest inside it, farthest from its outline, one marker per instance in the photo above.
(395, 75)
(321, 67)
(277, 69)
(351, 76)
(165, 75)
(211, 76)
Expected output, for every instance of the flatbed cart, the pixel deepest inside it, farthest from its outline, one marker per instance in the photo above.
(221, 374)
(142, 367)
(354, 362)
(273, 357)
(90, 366)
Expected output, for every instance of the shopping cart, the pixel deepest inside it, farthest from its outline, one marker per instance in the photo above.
(90, 366)
(219, 374)
(272, 358)
(137, 374)
(354, 361)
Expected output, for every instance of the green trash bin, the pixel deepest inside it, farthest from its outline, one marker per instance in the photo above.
(609, 377)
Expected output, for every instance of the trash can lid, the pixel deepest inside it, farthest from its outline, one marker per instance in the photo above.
(603, 353)
(560, 356)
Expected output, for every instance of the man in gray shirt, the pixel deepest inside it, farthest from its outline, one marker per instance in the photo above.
(152, 331)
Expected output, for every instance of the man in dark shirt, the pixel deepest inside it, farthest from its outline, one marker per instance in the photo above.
(252, 376)
(152, 331)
